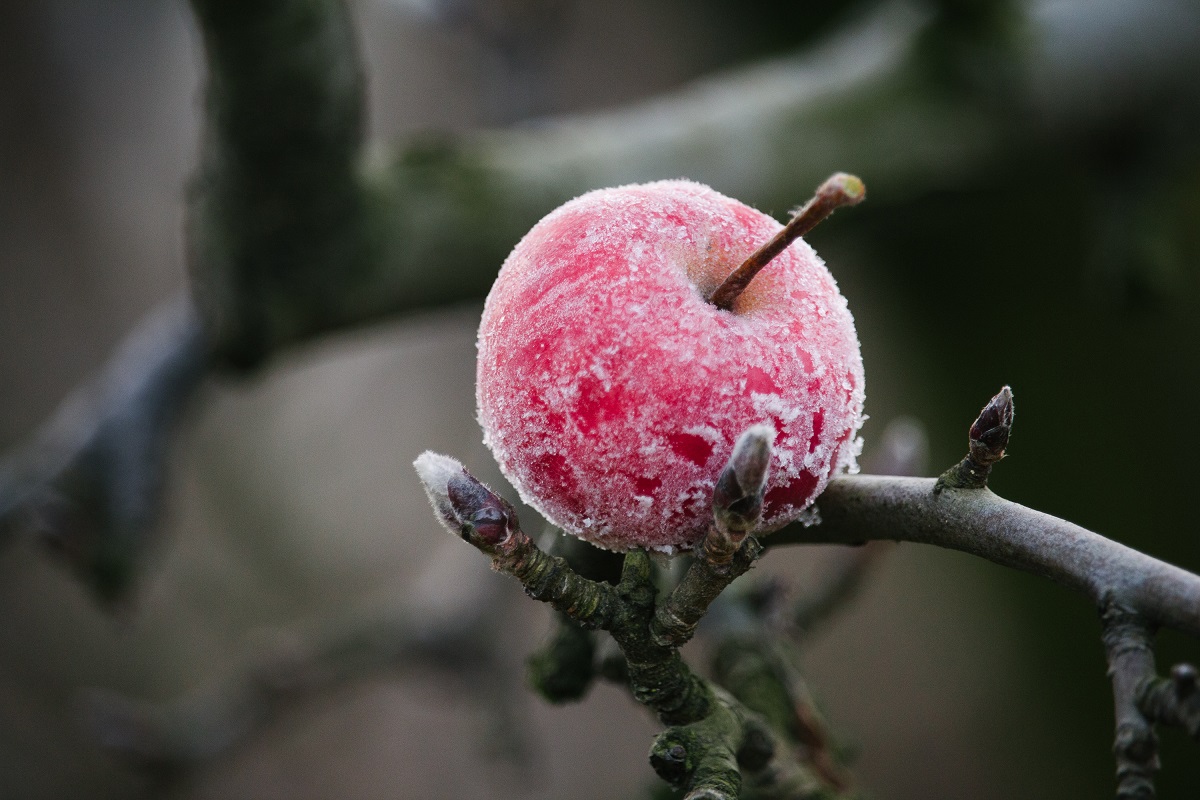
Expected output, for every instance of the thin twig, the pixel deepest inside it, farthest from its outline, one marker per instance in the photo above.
(840, 580)
(1174, 700)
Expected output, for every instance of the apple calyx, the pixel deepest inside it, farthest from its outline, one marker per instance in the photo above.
(840, 189)
(463, 504)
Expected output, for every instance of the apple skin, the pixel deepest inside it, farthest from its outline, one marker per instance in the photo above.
(611, 392)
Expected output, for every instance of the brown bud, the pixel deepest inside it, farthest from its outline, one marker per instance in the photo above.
(462, 503)
(990, 431)
(738, 495)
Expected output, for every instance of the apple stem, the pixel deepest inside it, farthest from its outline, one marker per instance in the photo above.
(841, 189)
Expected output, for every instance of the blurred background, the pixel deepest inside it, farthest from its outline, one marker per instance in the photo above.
(1050, 239)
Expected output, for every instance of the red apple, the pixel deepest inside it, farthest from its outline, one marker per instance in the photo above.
(611, 390)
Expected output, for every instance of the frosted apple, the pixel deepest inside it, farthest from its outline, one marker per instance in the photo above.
(611, 389)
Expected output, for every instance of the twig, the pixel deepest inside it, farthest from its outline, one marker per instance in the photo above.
(1128, 642)
(562, 670)
(727, 551)
(1135, 593)
(860, 508)
(1174, 700)
(840, 580)
(759, 668)
(902, 450)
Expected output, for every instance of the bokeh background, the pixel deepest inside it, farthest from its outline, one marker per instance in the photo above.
(1063, 259)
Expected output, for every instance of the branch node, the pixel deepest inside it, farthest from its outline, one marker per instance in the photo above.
(1128, 642)
(1184, 677)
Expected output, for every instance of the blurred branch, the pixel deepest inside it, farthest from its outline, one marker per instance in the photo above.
(453, 634)
(90, 482)
(903, 449)
(294, 237)
(276, 216)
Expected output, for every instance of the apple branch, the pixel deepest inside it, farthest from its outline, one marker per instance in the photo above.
(837, 191)
(1135, 593)
(713, 741)
(861, 508)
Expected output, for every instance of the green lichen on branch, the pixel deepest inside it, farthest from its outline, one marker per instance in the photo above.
(562, 671)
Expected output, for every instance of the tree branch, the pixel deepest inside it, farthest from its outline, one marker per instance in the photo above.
(1134, 592)
(337, 241)
(89, 483)
(859, 508)
(276, 214)
(709, 733)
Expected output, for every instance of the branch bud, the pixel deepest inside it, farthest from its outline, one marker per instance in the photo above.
(989, 433)
(738, 496)
(1184, 678)
(463, 504)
